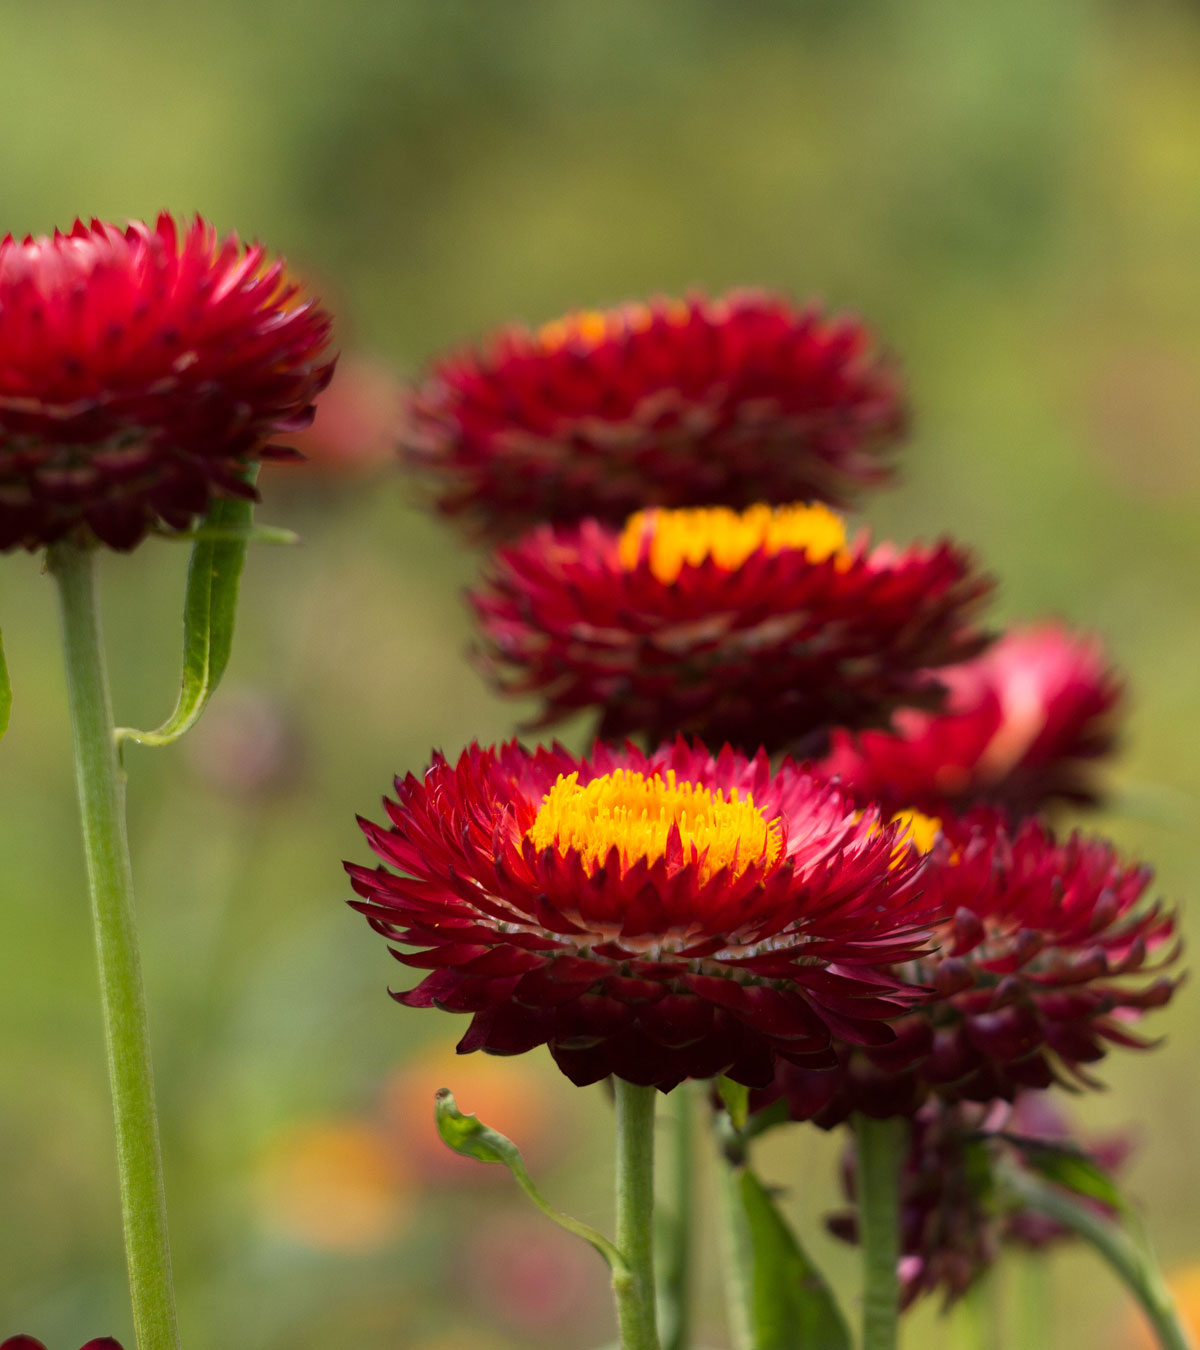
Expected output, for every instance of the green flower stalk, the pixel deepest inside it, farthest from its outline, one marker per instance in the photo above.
(144, 373)
(126, 1031)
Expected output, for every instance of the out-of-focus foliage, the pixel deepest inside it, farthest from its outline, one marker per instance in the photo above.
(1010, 193)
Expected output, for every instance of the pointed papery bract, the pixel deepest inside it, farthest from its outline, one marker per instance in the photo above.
(1023, 726)
(737, 399)
(764, 645)
(142, 369)
(659, 958)
(1051, 955)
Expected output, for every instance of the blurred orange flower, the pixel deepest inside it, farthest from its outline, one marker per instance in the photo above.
(516, 1096)
(335, 1185)
(1184, 1284)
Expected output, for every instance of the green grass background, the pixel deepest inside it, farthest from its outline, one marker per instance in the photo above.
(1010, 193)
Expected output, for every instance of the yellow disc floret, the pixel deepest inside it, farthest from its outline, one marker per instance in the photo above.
(916, 829)
(588, 328)
(636, 813)
(689, 536)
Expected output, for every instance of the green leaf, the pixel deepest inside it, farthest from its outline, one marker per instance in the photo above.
(250, 532)
(5, 692)
(469, 1136)
(1072, 1169)
(760, 1122)
(736, 1097)
(791, 1306)
(210, 608)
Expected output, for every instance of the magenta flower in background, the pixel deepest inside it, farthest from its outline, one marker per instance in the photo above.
(1023, 727)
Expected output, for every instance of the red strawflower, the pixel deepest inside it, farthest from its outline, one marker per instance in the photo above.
(658, 917)
(1042, 967)
(141, 371)
(1023, 724)
(32, 1343)
(733, 400)
(953, 1219)
(759, 628)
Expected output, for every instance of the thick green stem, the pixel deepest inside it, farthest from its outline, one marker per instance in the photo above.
(1134, 1265)
(634, 1288)
(738, 1254)
(102, 804)
(675, 1230)
(880, 1146)
(1033, 1302)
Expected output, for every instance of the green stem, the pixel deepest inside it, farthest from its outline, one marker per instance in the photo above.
(634, 1288)
(880, 1146)
(102, 804)
(1134, 1265)
(1033, 1303)
(738, 1256)
(675, 1250)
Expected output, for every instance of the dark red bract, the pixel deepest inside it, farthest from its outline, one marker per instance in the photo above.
(653, 968)
(141, 371)
(1044, 965)
(1023, 726)
(770, 652)
(734, 400)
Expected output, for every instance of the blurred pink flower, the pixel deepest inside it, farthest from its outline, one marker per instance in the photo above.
(353, 433)
(526, 1276)
(1023, 725)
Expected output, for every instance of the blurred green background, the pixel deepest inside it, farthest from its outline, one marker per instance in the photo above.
(1010, 193)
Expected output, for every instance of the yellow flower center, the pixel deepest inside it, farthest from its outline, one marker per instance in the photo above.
(916, 829)
(691, 535)
(636, 815)
(588, 328)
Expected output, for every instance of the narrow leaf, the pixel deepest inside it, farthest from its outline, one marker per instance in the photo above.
(791, 1306)
(251, 532)
(210, 608)
(5, 692)
(1073, 1170)
(469, 1136)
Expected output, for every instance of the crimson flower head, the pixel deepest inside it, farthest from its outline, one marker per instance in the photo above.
(1023, 724)
(738, 399)
(142, 369)
(1046, 961)
(759, 627)
(658, 917)
(32, 1343)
